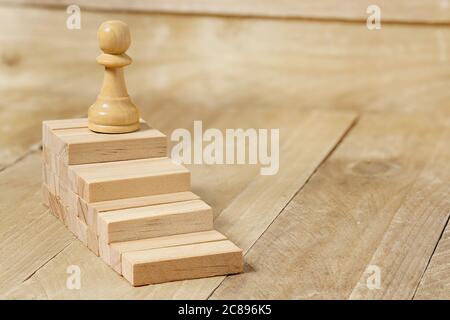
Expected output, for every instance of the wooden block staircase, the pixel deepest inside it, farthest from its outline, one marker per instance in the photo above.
(131, 205)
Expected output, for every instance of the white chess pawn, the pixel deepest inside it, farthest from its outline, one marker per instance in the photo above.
(113, 111)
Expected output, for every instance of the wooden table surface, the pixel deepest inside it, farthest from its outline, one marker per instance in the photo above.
(364, 118)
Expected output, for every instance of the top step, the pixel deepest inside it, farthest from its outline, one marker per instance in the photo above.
(73, 143)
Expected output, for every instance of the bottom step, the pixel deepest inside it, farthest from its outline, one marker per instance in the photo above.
(112, 253)
(182, 262)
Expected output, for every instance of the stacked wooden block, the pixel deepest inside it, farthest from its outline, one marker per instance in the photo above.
(131, 205)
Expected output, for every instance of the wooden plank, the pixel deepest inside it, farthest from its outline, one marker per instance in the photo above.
(260, 203)
(29, 234)
(221, 184)
(353, 10)
(190, 261)
(128, 179)
(90, 211)
(327, 235)
(117, 249)
(406, 247)
(48, 138)
(79, 145)
(435, 283)
(118, 204)
(154, 221)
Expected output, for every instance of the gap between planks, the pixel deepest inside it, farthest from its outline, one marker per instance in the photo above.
(50, 259)
(32, 149)
(431, 257)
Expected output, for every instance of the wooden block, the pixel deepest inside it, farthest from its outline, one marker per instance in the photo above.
(64, 195)
(45, 196)
(68, 198)
(49, 179)
(55, 165)
(49, 125)
(88, 212)
(62, 212)
(128, 179)
(92, 241)
(73, 143)
(81, 231)
(69, 218)
(154, 221)
(182, 262)
(47, 156)
(58, 187)
(104, 250)
(113, 252)
(56, 208)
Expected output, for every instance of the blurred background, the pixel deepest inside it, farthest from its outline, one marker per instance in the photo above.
(197, 57)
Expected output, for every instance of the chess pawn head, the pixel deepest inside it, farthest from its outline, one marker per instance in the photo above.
(113, 111)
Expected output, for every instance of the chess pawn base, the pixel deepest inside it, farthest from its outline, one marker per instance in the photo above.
(117, 115)
(112, 129)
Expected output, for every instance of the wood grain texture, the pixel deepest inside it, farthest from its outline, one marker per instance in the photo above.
(327, 236)
(435, 283)
(408, 244)
(128, 179)
(354, 10)
(49, 284)
(29, 235)
(154, 221)
(90, 211)
(118, 248)
(259, 204)
(307, 65)
(59, 208)
(199, 260)
(72, 142)
(192, 64)
(115, 250)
